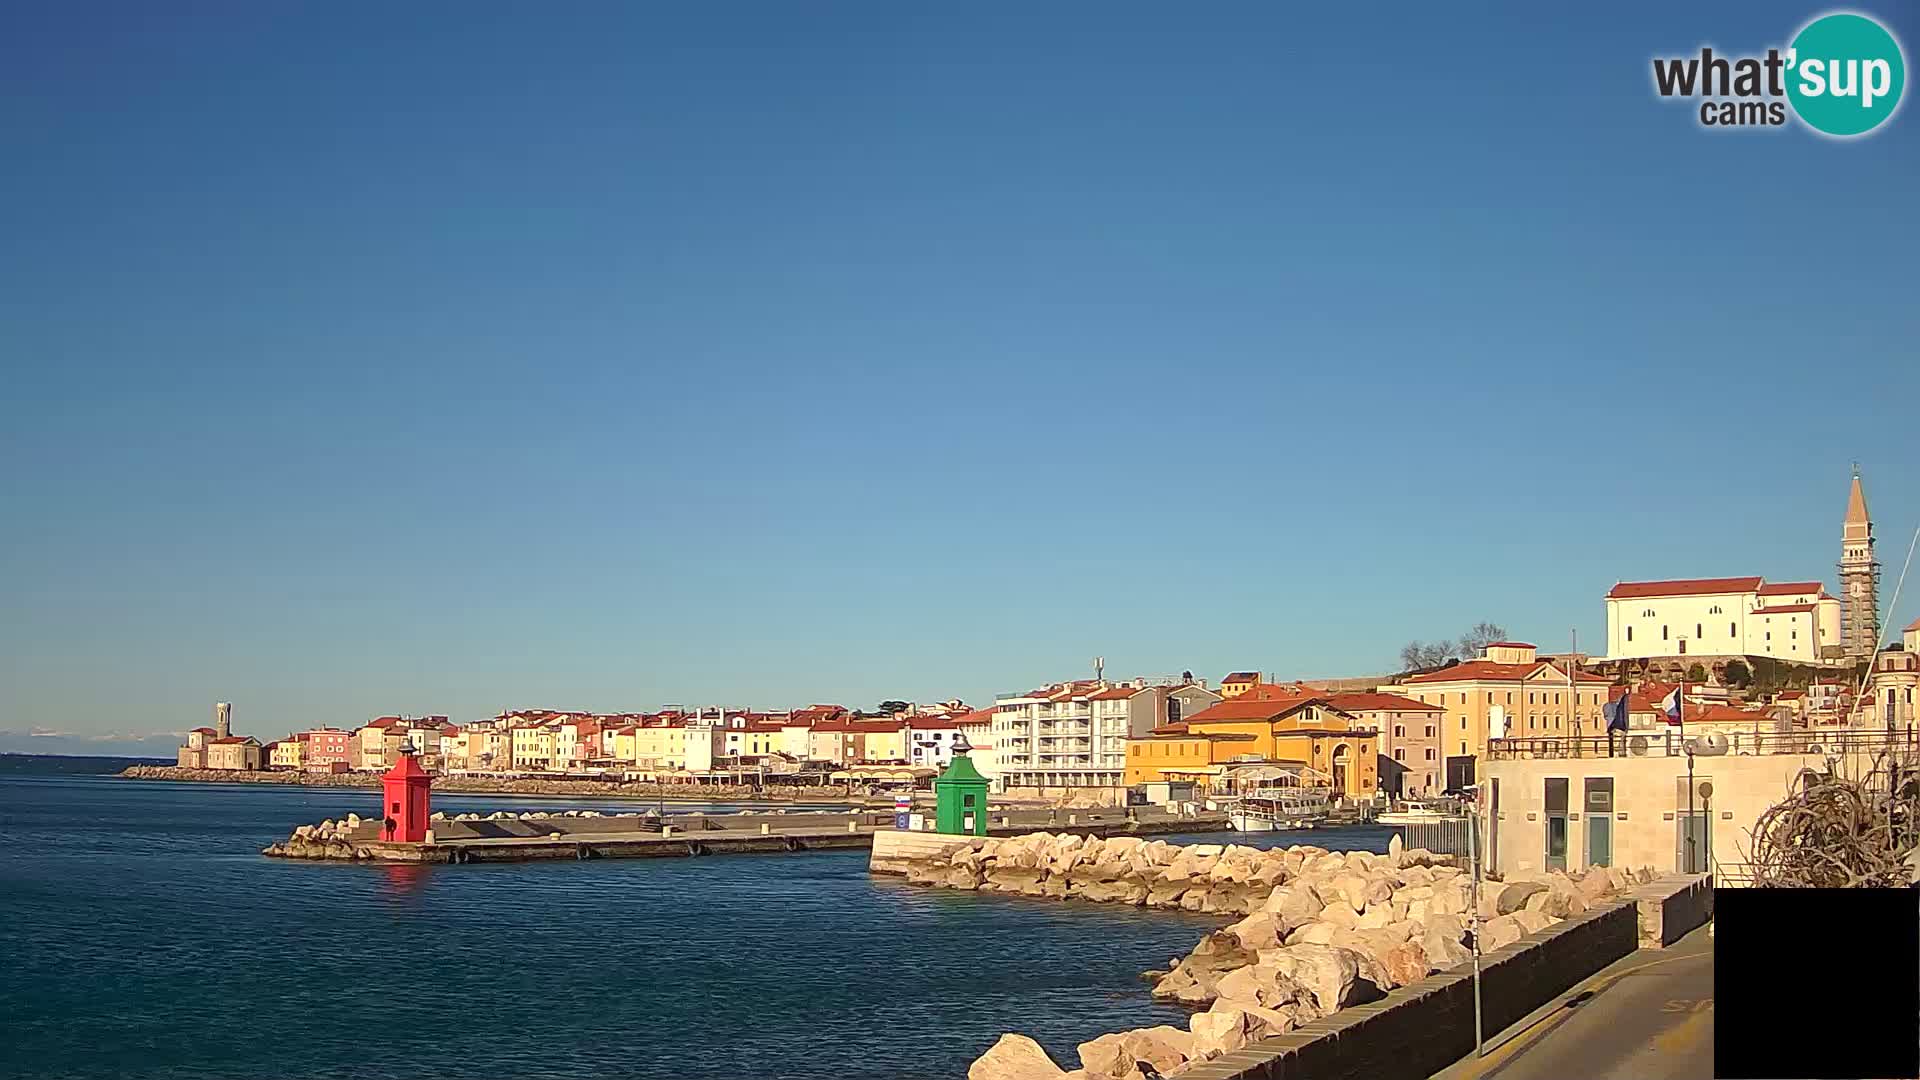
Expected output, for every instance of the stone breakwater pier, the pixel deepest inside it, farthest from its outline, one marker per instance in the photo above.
(589, 834)
(1319, 935)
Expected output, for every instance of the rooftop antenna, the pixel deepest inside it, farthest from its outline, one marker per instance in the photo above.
(1099, 668)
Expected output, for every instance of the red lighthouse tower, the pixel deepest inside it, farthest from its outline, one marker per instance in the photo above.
(404, 794)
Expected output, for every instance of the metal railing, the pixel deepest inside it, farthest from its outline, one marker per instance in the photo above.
(1669, 743)
(1447, 837)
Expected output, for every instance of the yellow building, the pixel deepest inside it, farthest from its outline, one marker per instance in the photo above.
(1254, 728)
(1239, 683)
(532, 747)
(886, 740)
(1508, 693)
(288, 753)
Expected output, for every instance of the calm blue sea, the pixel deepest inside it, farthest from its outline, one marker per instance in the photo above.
(142, 934)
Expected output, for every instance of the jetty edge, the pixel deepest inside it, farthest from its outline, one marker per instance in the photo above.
(503, 836)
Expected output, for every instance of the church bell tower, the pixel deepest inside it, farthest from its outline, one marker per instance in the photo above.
(1859, 578)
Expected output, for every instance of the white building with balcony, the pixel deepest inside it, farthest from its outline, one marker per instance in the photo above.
(1074, 735)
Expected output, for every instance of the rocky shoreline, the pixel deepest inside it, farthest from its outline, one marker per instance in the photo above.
(486, 785)
(1319, 931)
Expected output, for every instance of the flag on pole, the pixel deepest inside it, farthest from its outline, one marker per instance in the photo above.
(1616, 712)
(1672, 704)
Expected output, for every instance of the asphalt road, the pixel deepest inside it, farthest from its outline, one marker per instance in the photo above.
(1648, 1016)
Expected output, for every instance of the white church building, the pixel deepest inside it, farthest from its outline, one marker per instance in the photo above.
(1795, 621)
(1746, 616)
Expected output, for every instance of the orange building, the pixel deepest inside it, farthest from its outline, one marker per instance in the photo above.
(1264, 724)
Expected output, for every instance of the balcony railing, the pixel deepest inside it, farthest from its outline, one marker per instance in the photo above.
(1827, 742)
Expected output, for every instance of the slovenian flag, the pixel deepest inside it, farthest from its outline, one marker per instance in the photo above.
(1671, 705)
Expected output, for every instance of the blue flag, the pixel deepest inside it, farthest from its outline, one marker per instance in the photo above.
(1616, 713)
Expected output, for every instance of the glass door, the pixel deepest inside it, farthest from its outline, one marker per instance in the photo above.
(1691, 854)
(1599, 840)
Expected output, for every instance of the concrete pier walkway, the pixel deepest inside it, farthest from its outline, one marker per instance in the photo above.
(1647, 1016)
(518, 839)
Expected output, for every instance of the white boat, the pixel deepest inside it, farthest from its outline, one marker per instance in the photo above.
(1416, 814)
(1271, 809)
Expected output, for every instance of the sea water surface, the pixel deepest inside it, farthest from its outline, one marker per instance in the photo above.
(142, 934)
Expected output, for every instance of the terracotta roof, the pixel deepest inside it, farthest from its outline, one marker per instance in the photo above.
(1242, 676)
(206, 731)
(1118, 693)
(1783, 609)
(1513, 645)
(1789, 588)
(1363, 701)
(1627, 590)
(232, 739)
(1249, 707)
(1912, 626)
(977, 716)
(935, 723)
(1790, 695)
(1491, 671)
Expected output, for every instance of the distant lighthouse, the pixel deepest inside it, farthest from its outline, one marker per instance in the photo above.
(222, 719)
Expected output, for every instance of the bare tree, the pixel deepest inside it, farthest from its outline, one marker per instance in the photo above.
(1418, 655)
(1475, 641)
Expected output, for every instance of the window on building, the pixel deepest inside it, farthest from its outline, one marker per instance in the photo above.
(1733, 630)
(1697, 633)
(1430, 753)
(1629, 633)
(1399, 731)
(1399, 754)
(1714, 610)
(1463, 723)
(1663, 633)
(1430, 731)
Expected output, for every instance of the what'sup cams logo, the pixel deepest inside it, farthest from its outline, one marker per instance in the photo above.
(1842, 76)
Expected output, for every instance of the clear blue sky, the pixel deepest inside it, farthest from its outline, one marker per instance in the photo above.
(442, 357)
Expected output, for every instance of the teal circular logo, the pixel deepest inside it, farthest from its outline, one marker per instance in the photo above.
(1845, 73)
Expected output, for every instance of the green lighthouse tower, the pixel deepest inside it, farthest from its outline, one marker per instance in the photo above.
(960, 796)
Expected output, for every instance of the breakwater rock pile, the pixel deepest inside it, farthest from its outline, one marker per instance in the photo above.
(1319, 930)
(331, 839)
(346, 838)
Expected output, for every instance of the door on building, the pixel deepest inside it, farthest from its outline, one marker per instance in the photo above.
(1493, 824)
(1556, 815)
(1690, 854)
(1691, 858)
(1340, 758)
(1599, 811)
